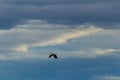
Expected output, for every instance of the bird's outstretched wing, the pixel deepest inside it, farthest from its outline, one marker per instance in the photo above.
(55, 56)
(50, 55)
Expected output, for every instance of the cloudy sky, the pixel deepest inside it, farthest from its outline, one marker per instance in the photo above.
(85, 35)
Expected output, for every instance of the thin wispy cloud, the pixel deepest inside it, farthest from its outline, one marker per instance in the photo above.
(108, 78)
(104, 51)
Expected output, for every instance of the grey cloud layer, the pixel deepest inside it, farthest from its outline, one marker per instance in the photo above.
(102, 13)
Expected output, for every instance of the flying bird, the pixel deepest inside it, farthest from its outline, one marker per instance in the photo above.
(53, 55)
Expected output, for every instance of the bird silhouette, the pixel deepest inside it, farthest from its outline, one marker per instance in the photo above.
(53, 55)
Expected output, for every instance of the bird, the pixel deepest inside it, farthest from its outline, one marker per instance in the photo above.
(53, 55)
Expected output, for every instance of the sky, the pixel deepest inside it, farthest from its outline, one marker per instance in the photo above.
(85, 35)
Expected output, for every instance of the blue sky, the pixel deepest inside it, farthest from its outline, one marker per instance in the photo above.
(85, 35)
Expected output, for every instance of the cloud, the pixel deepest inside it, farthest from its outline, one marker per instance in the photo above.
(104, 51)
(20, 48)
(16, 43)
(20, 38)
(37, 39)
(108, 78)
(88, 53)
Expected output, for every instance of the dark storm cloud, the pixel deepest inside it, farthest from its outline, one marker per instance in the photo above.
(76, 13)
